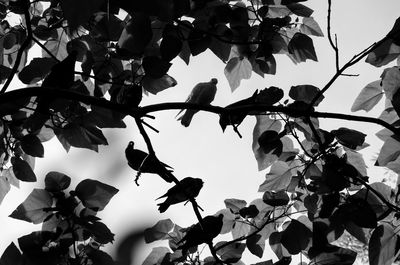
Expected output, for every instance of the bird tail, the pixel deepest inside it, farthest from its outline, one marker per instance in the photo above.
(162, 207)
(187, 118)
(167, 176)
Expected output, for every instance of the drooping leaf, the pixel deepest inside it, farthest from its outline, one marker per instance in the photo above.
(56, 181)
(86, 9)
(278, 198)
(159, 231)
(383, 54)
(234, 204)
(305, 93)
(382, 245)
(391, 81)
(278, 178)
(32, 146)
(36, 70)
(349, 137)
(156, 256)
(22, 170)
(311, 27)
(296, 237)
(237, 69)
(94, 194)
(231, 253)
(32, 209)
(301, 48)
(369, 96)
(155, 85)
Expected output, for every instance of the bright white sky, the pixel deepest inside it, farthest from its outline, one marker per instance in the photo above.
(225, 162)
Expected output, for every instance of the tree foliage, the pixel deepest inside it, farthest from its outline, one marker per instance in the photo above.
(316, 187)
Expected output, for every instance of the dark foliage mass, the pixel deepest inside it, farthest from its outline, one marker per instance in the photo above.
(99, 58)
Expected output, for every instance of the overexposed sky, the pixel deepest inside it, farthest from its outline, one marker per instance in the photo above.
(225, 162)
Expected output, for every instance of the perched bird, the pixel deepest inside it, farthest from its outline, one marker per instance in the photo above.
(189, 188)
(203, 94)
(145, 163)
(236, 119)
(198, 234)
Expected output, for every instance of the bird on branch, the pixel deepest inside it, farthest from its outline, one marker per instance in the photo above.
(189, 188)
(143, 162)
(202, 94)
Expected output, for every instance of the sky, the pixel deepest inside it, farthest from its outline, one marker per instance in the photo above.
(224, 161)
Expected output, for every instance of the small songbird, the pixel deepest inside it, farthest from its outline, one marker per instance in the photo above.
(198, 234)
(189, 188)
(203, 94)
(145, 163)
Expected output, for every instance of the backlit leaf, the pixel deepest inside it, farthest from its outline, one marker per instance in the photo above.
(278, 178)
(296, 237)
(278, 198)
(389, 152)
(240, 229)
(305, 93)
(156, 256)
(11, 255)
(349, 138)
(22, 170)
(55, 181)
(235, 204)
(300, 10)
(336, 255)
(383, 54)
(155, 85)
(382, 245)
(31, 210)
(231, 253)
(237, 69)
(301, 48)
(391, 81)
(32, 146)
(94, 194)
(4, 187)
(159, 231)
(311, 27)
(369, 96)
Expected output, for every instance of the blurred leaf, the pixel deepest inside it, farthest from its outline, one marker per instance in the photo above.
(32, 209)
(311, 27)
(22, 170)
(231, 253)
(86, 9)
(11, 255)
(106, 27)
(382, 246)
(237, 69)
(32, 146)
(279, 198)
(369, 96)
(100, 232)
(55, 181)
(155, 67)
(158, 231)
(301, 48)
(36, 70)
(300, 10)
(156, 256)
(94, 194)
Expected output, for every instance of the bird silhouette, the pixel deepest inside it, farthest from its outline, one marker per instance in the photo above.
(146, 163)
(203, 94)
(189, 188)
(202, 233)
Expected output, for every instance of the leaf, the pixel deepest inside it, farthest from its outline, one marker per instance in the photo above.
(301, 48)
(296, 237)
(270, 142)
(276, 246)
(235, 204)
(100, 232)
(231, 253)
(31, 145)
(36, 70)
(369, 96)
(82, 137)
(305, 93)
(356, 160)
(263, 124)
(103, 118)
(11, 255)
(382, 245)
(22, 170)
(256, 243)
(336, 255)
(32, 209)
(348, 137)
(240, 229)
(106, 27)
(311, 27)
(94, 194)
(383, 54)
(155, 67)
(155, 85)
(4, 187)
(300, 10)
(57, 46)
(159, 231)
(279, 198)
(86, 9)
(278, 178)
(156, 256)
(237, 69)
(389, 152)
(55, 181)
(228, 221)
(377, 205)
(391, 81)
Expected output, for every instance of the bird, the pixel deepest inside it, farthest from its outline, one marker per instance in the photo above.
(202, 94)
(236, 119)
(189, 188)
(145, 163)
(202, 233)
